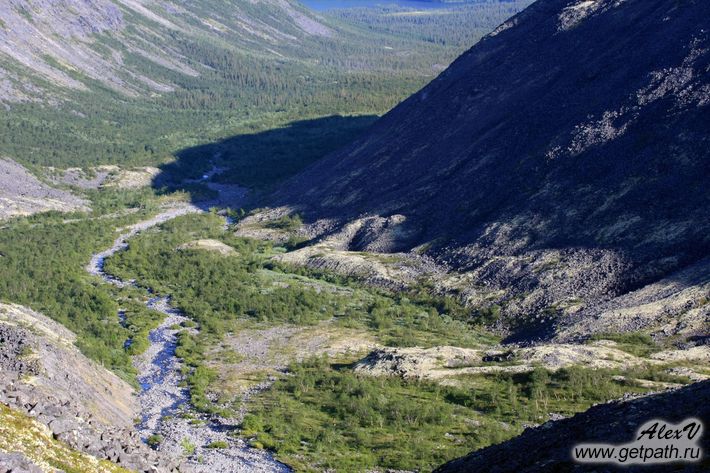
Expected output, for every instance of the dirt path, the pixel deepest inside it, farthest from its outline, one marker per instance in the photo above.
(164, 402)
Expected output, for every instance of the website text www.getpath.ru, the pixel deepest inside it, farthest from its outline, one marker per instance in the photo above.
(656, 441)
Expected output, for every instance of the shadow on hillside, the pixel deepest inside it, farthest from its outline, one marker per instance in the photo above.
(217, 174)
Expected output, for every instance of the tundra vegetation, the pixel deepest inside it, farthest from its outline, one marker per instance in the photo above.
(43, 267)
(320, 413)
(323, 414)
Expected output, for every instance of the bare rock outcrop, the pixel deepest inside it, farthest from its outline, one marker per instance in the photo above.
(84, 405)
(21, 193)
(676, 305)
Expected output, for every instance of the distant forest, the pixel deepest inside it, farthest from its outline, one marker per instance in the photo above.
(455, 27)
(241, 93)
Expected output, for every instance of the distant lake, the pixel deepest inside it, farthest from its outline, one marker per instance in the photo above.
(322, 5)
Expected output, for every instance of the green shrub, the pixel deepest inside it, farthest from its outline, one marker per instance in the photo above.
(287, 222)
(218, 444)
(637, 343)
(154, 441)
(26, 351)
(327, 416)
(188, 447)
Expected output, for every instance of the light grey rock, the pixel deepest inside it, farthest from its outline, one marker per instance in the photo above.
(17, 463)
(61, 426)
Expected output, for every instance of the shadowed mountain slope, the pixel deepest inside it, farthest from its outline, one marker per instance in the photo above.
(561, 161)
(548, 448)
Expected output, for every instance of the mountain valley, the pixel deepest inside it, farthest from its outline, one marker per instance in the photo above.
(252, 236)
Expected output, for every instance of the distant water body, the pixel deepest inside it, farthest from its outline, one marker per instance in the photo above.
(322, 5)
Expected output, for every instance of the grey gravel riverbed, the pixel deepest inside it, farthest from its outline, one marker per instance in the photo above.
(164, 400)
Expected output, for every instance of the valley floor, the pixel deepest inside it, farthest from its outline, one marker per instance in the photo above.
(167, 421)
(245, 361)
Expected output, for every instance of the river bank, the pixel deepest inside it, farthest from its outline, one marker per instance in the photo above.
(207, 442)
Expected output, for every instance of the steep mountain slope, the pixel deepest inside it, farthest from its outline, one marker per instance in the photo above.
(134, 47)
(561, 161)
(548, 448)
(133, 81)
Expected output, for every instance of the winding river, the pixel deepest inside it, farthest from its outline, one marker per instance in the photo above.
(163, 399)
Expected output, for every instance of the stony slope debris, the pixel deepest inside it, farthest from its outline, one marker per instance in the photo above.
(164, 411)
(82, 404)
(92, 178)
(43, 349)
(28, 446)
(547, 448)
(10, 462)
(445, 363)
(21, 193)
(108, 175)
(675, 306)
(552, 185)
(330, 253)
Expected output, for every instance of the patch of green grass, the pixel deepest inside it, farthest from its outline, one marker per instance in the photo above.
(658, 373)
(197, 191)
(637, 343)
(218, 444)
(230, 356)
(139, 322)
(26, 351)
(188, 447)
(154, 441)
(287, 222)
